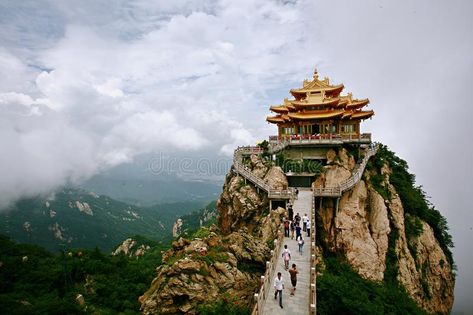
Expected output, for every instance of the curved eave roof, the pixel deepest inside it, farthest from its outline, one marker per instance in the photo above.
(358, 103)
(330, 101)
(362, 114)
(316, 115)
(279, 109)
(328, 89)
(275, 119)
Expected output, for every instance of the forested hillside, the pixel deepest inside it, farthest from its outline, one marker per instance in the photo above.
(77, 218)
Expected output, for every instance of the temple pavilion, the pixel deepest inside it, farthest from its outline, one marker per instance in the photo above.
(319, 111)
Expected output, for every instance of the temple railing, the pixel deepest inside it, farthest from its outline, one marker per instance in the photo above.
(265, 285)
(357, 173)
(320, 139)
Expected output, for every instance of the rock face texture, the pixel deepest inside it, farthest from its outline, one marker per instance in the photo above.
(177, 228)
(364, 225)
(241, 205)
(131, 248)
(337, 170)
(361, 234)
(427, 275)
(200, 271)
(228, 260)
(360, 225)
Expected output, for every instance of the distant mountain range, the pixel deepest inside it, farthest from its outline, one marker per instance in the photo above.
(147, 192)
(75, 218)
(135, 183)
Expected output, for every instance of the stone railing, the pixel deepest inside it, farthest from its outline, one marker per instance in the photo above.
(265, 287)
(313, 263)
(258, 182)
(357, 173)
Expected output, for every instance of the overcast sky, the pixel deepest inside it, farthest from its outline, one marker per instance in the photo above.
(88, 85)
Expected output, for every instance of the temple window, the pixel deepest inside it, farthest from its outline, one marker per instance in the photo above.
(348, 128)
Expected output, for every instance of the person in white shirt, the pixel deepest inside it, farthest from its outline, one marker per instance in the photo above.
(278, 287)
(286, 255)
(304, 222)
(308, 227)
(300, 242)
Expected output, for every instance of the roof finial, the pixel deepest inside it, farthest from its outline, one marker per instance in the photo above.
(316, 75)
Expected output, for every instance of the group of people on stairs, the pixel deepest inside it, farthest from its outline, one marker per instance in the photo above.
(291, 224)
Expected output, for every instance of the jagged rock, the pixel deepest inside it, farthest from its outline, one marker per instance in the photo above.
(379, 224)
(436, 273)
(360, 230)
(239, 204)
(84, 207)
(213, 240)
(353, 234)
(338, 169)
(257, 166)
(57, 231)
(125, 247)
(242, 205)
(130, 248)
(335, 175)
(246, 247)
(270, 224)
(193, 278)
(276, 178)
(331, 156)
(177, 227)
(428, 270)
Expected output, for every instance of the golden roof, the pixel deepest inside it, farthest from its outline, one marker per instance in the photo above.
(284, 108)
(275, 119)
(362, 114)
(279, 109)
(325, 97)
(318, 85)
(314, 100)
(308, 115)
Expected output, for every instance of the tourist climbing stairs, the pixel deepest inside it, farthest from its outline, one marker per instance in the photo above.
(303, 301)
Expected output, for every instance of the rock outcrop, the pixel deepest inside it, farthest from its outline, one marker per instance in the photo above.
(131, 248)
(177, 228)
(338, 169)
(226, 260)
(241, 204)
(199, 271)
(366, 225)
(360, 225)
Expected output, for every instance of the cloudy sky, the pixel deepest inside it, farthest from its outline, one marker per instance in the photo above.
(89, 85)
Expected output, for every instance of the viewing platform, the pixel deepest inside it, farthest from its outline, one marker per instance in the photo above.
(330, 139)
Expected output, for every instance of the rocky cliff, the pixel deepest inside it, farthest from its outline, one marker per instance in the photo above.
(223, 262)
(367, 227)
(383, 228)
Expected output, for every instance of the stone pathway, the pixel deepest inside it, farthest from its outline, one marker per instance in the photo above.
(298, 303)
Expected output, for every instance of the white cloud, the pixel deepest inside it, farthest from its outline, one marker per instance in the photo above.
(186, 76)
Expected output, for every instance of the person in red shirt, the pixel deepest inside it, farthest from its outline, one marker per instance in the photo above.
(293, 273)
